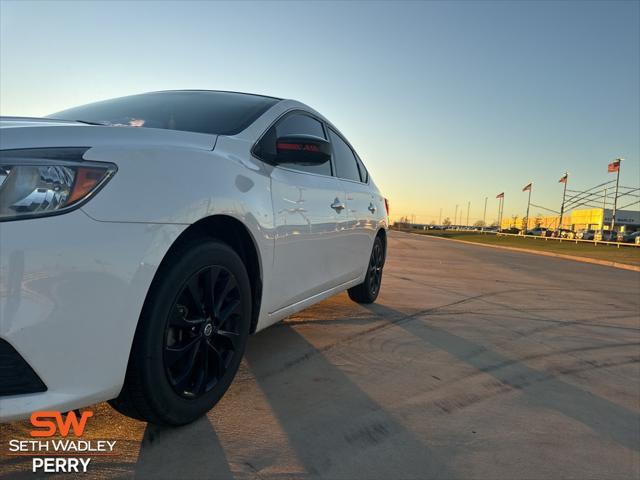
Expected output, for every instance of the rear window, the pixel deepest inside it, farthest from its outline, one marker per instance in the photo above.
(218, 113)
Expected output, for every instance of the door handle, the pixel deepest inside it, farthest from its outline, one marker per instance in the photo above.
(337, 205)
(372, 208)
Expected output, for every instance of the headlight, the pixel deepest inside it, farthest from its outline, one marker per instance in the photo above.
(39, 182)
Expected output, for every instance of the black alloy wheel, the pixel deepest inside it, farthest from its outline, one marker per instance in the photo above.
(201, 336)
(368, 290)
(375, 269)
(191, 335)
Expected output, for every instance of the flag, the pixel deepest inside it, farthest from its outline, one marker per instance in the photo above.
(614, 166)
(527, 187)
(500, 195)
(564, 178)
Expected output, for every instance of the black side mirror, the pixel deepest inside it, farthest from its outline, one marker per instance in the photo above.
(302, 150)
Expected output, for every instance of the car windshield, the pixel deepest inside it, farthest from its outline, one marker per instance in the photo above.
(218, 113)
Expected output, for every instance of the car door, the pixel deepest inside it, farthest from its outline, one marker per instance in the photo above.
(308, 208)
(362, 207)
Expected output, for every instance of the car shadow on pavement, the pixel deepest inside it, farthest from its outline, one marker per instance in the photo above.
(192, 451)
(540, 388)
(335, 429)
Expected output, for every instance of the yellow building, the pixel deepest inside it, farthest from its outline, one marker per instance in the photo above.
(592, 218)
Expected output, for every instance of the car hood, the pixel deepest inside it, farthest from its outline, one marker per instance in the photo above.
(24, 132)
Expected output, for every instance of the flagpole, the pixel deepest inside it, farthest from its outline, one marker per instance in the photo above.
(484, 215)
(526, 224)
(604, 208)
(564, 193)
(615, 197)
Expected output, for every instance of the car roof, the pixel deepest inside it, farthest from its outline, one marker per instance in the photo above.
(217, 91)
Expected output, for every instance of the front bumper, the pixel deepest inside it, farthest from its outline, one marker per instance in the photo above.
(71, 292)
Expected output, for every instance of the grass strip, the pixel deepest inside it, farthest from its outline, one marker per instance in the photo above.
(624, 254)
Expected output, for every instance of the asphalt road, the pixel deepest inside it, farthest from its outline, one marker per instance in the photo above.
(474, 363)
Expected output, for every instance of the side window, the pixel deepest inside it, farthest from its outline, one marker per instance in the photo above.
(294, 124)
(344, 159)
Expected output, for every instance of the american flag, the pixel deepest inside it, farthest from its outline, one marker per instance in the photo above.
(614, 166)
(500, 195)
(564, 178)
(527, 187)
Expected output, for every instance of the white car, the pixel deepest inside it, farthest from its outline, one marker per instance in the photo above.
(135, 262)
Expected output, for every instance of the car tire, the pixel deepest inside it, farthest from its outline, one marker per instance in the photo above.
(368, 290)
(190, 337)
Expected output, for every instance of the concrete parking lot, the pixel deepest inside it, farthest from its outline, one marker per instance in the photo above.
(474, 363)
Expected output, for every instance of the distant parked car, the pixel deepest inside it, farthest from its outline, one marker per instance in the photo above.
(586, 234)
(605, 236)
(629, 237)
(538, 232)
(562, 233)
(510, 230)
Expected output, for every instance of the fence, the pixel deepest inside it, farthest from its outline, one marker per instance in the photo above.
(575, 240)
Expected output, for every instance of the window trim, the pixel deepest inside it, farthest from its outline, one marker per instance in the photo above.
(363, 166)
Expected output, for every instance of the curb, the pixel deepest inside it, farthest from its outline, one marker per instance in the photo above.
(606, 263)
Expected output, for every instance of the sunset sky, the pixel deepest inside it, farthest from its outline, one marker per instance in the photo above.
(447, 102)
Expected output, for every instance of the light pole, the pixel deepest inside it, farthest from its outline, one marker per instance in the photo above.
(455, 217)
(468, 207)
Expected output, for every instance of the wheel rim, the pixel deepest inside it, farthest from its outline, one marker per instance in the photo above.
(201, 338)
(375, 268)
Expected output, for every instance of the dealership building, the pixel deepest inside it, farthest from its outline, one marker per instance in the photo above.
(592, 218)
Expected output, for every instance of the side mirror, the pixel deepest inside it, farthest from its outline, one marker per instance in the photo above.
(302, 150)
